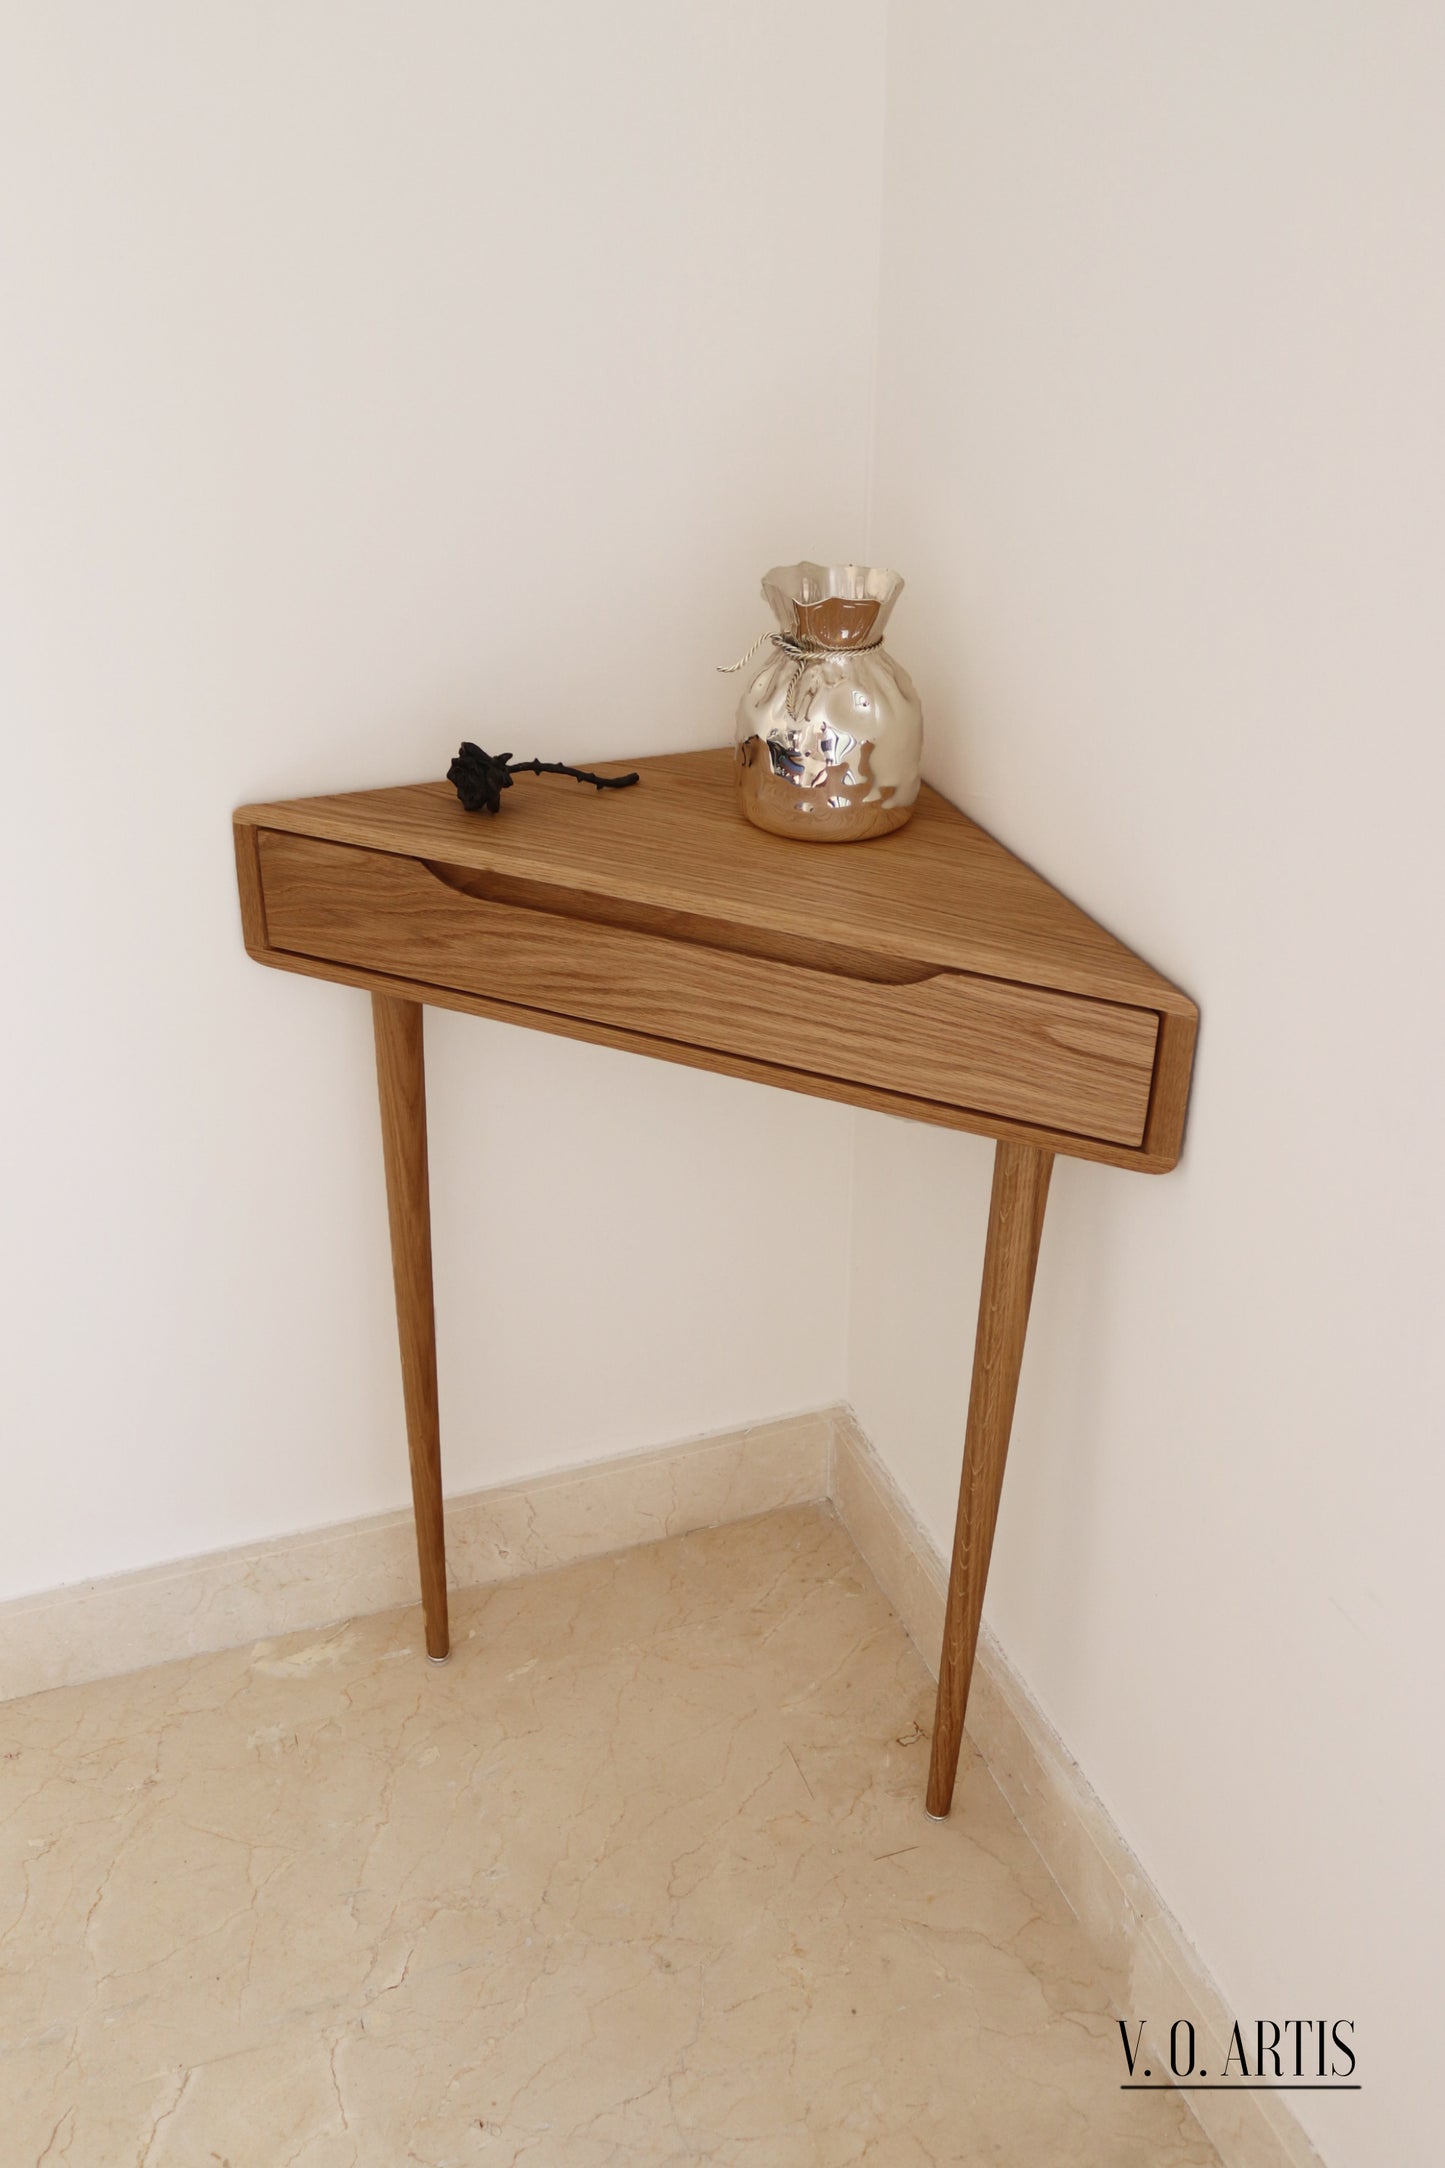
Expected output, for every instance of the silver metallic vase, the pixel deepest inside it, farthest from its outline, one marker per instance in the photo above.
(830, 732)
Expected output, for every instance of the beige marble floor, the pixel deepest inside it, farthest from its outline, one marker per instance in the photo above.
(641, 1877)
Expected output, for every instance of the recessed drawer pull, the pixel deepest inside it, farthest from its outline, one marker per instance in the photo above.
(587, 907)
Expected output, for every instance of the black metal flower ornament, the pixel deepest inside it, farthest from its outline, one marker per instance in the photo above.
(480, 778)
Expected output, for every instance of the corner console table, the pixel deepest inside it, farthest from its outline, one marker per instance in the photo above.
(928, 974)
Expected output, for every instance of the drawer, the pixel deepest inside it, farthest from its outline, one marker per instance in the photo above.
(1016, 1052)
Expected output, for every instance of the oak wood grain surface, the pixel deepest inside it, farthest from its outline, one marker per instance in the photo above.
(941, 891)
(1055, 1059)
(1015, 1225)
(936, 1112)
(401, 1091)
(248, 883)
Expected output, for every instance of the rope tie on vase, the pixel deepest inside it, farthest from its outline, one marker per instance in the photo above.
(802, 652)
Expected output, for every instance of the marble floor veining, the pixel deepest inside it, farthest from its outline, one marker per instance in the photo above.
(642, 1877)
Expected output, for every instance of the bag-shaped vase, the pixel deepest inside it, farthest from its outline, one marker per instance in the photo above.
(830, 731)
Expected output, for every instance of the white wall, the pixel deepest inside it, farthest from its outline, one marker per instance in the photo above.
(370, 375)
(1160, 448)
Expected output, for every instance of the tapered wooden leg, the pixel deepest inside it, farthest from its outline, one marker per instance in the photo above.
(401, 1084)
(1015, 1223)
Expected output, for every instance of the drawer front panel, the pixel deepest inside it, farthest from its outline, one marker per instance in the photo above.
(1014, 1051)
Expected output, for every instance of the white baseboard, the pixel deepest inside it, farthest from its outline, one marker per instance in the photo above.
(223, 1599)
(1151, 1968)
(226, 1598)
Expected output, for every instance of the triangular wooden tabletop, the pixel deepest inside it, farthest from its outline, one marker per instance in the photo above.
(941, 891)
